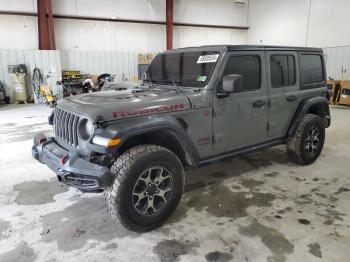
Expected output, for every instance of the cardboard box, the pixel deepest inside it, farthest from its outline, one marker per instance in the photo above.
(345, 93)
(145, 59)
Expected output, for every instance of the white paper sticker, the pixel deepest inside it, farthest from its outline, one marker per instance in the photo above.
(207, 59)
(19, 88)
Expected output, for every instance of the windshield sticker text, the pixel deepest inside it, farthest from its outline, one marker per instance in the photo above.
(207, 59)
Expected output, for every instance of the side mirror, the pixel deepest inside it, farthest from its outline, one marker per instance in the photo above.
(231, 83)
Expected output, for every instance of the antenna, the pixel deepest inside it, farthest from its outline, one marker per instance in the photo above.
(177, 87)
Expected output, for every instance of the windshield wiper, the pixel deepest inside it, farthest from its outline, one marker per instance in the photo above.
(148, 79)
(175, 84)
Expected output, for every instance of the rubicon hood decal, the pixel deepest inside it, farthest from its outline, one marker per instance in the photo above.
(149, 110)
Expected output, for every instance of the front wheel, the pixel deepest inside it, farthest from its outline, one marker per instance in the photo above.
(307, 143)
(147, 187)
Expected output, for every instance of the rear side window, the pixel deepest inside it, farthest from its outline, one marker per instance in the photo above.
(249, 67)
(282, 69)
(311, 69)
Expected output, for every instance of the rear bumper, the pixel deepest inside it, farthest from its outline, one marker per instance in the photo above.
(71, 169)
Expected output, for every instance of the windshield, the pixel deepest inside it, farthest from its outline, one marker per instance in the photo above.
(192, 69)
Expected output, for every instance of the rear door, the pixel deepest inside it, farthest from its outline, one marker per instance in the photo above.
(283, 90)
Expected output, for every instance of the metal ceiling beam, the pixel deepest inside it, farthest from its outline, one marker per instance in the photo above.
(117, 20)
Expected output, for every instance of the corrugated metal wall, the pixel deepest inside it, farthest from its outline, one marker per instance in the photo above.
(47, 61)
(122, 64)
(99, 62)
(337, 58)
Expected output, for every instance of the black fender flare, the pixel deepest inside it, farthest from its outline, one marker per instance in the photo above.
(126, 129)
(304, 108)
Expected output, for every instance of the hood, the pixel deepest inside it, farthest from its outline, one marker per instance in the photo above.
(113, 105)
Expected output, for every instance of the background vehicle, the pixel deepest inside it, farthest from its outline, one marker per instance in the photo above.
(42, 89)
(104, 78)
(197, 106)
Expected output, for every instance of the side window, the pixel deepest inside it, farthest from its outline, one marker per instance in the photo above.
(311, 69)
(282, 69)
(249, 67)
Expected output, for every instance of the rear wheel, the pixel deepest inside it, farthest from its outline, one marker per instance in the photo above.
(147, 187)
(307, 144)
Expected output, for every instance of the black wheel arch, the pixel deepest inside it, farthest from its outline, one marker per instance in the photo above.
(166, 131)
(315, 105)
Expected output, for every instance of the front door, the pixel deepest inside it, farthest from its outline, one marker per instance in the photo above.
(283, 91)
(240, 119)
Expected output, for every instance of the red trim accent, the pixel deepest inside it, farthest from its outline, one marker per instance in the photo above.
(42, 140)
(63, 160)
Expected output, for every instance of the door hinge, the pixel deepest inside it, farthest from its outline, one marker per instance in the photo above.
(269, 103)
(268, 126)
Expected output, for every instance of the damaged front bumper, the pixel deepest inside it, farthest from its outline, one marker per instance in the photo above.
(71, 169)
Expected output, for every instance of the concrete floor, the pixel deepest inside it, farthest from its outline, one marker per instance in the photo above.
(261, 207)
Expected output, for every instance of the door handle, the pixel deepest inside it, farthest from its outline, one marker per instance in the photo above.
(259, 103)
(291, 98)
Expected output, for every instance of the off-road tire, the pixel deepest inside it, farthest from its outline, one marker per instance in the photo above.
(126, 171)
(296, 144)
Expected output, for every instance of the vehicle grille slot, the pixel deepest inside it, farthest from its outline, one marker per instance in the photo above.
(66, 126)
(75, 127)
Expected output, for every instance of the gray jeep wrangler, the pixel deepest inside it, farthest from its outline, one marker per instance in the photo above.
(194, 107)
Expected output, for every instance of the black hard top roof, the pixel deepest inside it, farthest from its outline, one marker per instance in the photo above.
(249, 48)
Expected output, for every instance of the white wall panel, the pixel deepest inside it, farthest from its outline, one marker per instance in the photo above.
(217, 12)
(136, 9)
(18, 32)
(18, 5)
(47, 61)
(92, 35)
(278, 22)
(338, 58)
(196, 36)
(284, 22)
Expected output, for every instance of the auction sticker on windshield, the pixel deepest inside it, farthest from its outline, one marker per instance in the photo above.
(207, 59)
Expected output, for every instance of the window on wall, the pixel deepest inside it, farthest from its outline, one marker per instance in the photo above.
(282, 69)
(311, 69)
(248, 66)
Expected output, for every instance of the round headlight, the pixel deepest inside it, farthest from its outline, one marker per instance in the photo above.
(85, 129)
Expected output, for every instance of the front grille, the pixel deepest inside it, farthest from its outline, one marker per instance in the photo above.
(66, 126)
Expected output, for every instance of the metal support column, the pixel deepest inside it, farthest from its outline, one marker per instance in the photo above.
(45, 25)
(169, 24)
